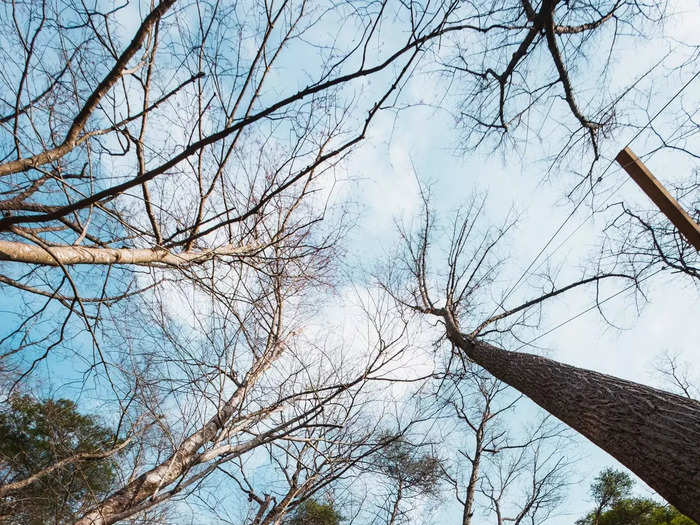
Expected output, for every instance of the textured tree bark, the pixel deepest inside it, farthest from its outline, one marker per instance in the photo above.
(656, 434)
(69, 255)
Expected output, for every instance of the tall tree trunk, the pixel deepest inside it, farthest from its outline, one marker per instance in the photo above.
(473, 478)
(656, 434)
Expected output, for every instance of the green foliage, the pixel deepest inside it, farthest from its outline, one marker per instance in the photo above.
(611, 491)
(610, 487)
(638, 511)
(310, 512)
(35, 435)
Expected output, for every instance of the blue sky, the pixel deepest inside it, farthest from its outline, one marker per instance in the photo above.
(423, 144)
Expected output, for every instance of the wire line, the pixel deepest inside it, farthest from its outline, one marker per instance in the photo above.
(585, 196)
(596, 305)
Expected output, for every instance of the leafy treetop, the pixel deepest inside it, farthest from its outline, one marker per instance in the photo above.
(35, 435)
(614, 505)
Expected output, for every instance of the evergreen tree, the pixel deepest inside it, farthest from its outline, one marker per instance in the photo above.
(614, 505)
(34, 435)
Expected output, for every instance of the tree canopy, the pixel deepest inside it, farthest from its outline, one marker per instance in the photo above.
(36, 435)
(614, 506)
(638, 511)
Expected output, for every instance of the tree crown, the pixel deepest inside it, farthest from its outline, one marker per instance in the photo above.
(35, 435)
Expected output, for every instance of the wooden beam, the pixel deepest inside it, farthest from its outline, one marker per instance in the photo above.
(661, 197)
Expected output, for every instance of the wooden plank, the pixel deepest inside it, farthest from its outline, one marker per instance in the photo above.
(660, 196)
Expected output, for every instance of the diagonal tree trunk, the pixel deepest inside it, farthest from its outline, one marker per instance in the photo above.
(656, 434)
(69, 255)
(126, 501)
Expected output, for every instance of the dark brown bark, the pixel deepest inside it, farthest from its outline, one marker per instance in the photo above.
(654, 433)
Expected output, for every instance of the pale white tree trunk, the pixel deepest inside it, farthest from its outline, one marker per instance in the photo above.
(129, 499)
(70, 255)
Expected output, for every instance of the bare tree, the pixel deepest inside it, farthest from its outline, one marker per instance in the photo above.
(320, 460)
(526, 65)
(488, 444)
(637, 233)
(536, 474)
(474, 400)
(652, 432)
(230, 374)
(130, 152)
(166, 171)
(253, 386)
(676, 374)
(647, 239)
(163, 188)
(62, 165)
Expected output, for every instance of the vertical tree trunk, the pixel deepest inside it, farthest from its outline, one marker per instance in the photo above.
(598, 512)
(471, 486)
(395, 508)
(656, 434)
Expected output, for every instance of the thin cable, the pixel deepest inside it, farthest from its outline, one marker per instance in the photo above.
(591, 215)
(595, 306)
(626, 179)
(590, 190)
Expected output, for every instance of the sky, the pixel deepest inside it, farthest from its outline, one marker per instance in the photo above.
(420, 144)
